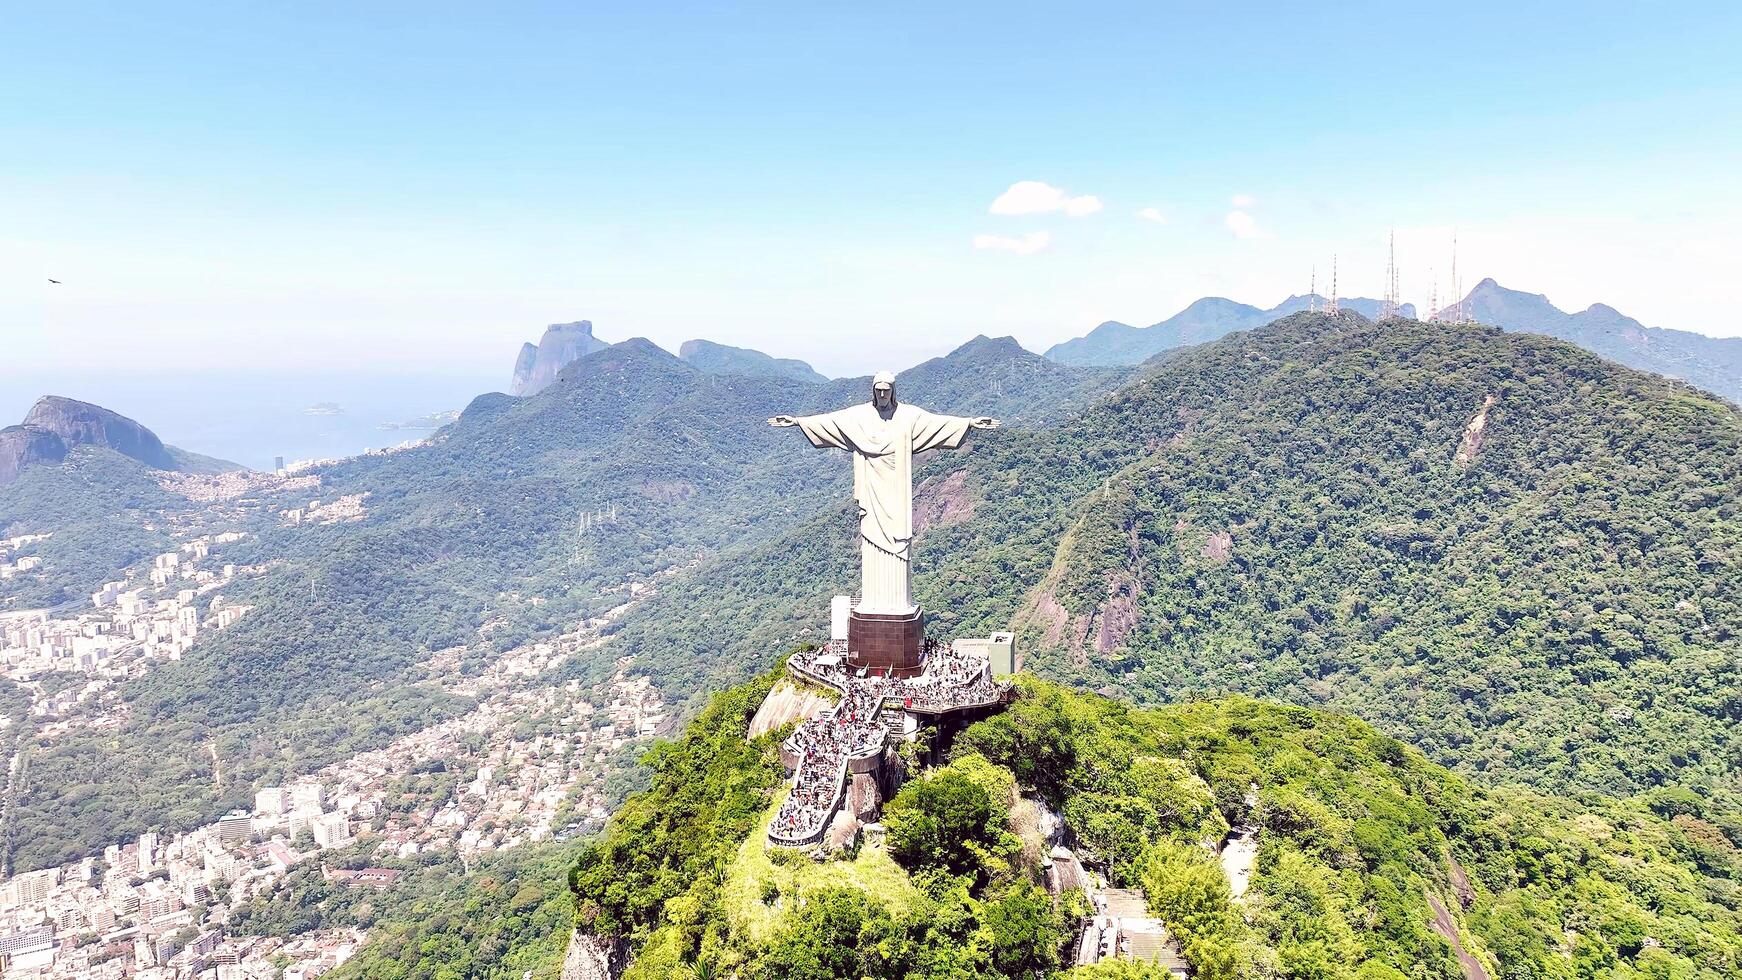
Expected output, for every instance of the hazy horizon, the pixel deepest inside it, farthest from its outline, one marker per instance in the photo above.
(386, 186)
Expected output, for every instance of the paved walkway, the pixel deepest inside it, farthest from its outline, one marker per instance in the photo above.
(859, 726)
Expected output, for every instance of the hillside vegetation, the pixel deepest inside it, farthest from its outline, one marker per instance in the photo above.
(516, 522)
(1363, 843)
(1523, 559)
(1713, 363)
(103, 511)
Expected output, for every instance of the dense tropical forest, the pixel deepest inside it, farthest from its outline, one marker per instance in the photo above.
(508, 914)
(1363, 843)
(1307, 512)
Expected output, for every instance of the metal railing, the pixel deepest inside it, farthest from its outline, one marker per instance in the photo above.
(897, 693)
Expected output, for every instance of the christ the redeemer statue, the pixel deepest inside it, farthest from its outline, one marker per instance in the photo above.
(883, 435)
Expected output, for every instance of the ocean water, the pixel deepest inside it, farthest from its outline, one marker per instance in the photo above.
(252, 417)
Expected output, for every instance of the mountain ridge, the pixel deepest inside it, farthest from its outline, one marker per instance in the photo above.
(1712, 363)
(723, 359)
(1205, 319)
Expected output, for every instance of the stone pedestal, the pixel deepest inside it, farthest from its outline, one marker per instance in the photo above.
(883, 642)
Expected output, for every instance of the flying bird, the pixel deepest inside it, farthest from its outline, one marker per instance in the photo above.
(55, 281)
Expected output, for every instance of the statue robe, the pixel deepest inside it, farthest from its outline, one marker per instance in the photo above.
(883, 451)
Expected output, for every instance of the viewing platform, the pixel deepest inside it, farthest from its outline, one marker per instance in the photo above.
(826, 752)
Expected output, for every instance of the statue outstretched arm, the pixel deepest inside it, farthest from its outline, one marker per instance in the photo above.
(824, 431)
(931, 431)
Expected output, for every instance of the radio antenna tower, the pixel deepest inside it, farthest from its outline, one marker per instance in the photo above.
(1313, 291)
(1457, 287)
(1433, 297)
(1334, 307)
(1388, 309)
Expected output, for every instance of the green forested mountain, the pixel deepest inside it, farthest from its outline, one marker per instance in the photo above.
(104, 510)
(526, 514)
(1304, 512)
(715, 358)
(1363, 845)
(1544, 590)
(1713, 363)
(1206, 319)
(88, 475)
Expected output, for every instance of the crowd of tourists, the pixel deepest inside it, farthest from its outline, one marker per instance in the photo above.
(858, 725)
(823, 746)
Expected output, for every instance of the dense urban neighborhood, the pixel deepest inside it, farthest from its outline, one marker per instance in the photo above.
(525, 764)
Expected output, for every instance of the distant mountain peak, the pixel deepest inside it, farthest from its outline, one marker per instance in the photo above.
(1216, 303)
(998, 346)
(1714, 363)
(562, 344)
(641, 345)
(1205, 319)
(714, 358)
(80, 423)
(55, 425)
(636, 351)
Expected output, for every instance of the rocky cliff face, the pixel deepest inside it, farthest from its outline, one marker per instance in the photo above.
(21, 447)
(523, 366)
(561, 345)
(83, 424)
(592, 957)
(55, 425)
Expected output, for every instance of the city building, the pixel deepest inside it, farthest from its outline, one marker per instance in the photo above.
(234, 827)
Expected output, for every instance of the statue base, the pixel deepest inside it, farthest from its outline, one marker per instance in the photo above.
(883, 642)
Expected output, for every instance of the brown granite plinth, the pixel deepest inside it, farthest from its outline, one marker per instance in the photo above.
(886, 643)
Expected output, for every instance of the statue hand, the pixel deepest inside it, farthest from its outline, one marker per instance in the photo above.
(986, 422)
(782, 421)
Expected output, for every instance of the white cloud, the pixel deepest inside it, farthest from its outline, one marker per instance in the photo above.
(1151, 214)
(1243, 225)
(1027, 244)
(1076, 207)
(1243, 201)
(1036, 197)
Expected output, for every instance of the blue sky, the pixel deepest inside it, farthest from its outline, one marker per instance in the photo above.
(423, 186)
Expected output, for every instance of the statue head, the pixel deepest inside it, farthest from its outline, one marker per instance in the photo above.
(883, 391)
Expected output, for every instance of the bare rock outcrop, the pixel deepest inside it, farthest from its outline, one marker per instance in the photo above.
(22, 446)
(594, 958)
(940, 502)
(785, 704)
(83, 424)
(561, 345)
(56, 425)
(1474, 433)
